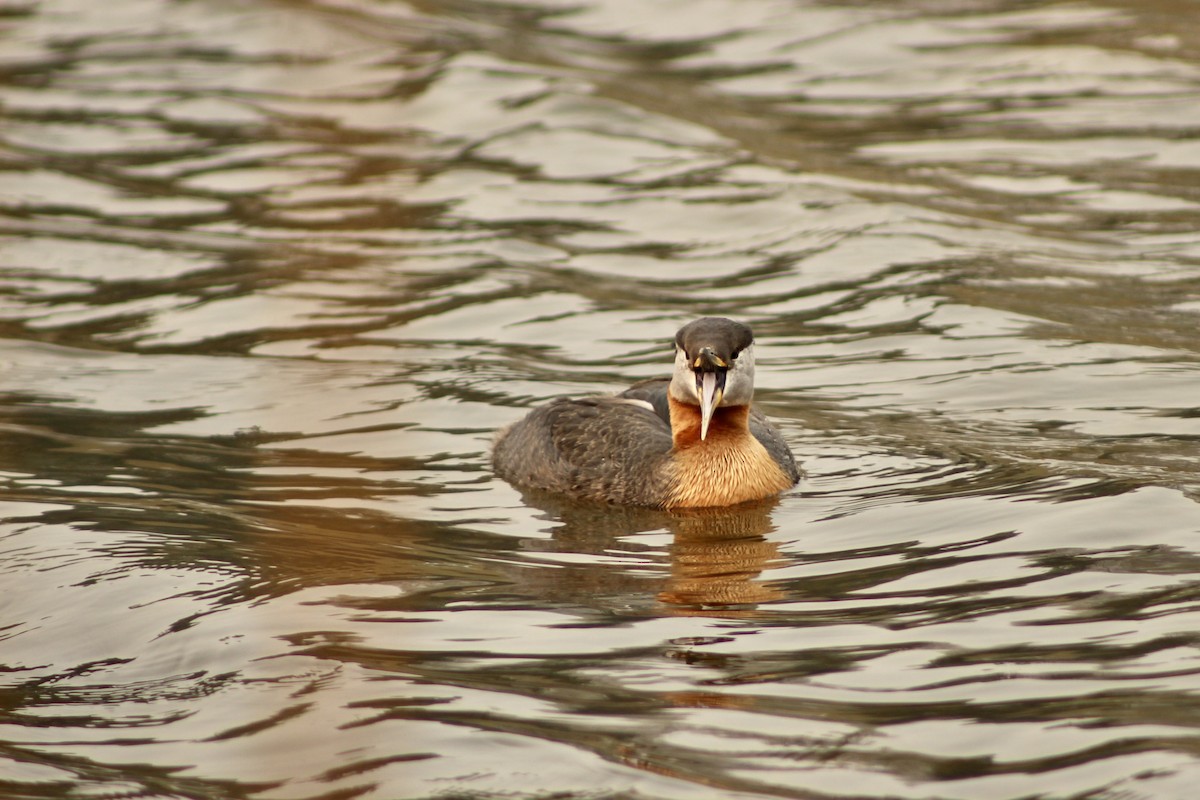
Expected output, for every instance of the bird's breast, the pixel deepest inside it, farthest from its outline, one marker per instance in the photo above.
(727, 467)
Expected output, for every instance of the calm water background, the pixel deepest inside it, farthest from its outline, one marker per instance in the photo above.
(271, 273)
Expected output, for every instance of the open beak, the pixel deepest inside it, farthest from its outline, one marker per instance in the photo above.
(710, 385)
(712, 389)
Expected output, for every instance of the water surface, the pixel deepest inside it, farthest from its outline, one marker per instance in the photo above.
(272, 274)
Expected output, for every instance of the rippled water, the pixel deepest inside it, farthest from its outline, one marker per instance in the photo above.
(272, 273)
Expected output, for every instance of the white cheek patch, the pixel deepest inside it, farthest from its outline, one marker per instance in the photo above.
(739, 382)
(683, 382)
(745, 359)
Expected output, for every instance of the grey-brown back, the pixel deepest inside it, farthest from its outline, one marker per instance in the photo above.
(602, 448)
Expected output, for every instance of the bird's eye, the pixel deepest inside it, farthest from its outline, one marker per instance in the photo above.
(733, 356)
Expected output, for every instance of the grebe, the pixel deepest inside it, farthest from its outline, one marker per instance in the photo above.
(688, 441)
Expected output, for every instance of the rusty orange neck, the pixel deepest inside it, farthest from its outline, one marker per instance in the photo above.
(728, 467)
(726, 423)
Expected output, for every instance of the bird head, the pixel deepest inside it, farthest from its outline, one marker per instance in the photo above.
(714, 366)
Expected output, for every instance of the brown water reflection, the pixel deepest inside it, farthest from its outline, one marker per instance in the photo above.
(271, 275)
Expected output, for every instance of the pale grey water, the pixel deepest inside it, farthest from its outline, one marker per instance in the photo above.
(271, 274)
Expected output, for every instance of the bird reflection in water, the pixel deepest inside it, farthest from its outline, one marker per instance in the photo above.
(716, 557)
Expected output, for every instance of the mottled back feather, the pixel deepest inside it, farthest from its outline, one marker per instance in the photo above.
(654, 392)
(603, 448)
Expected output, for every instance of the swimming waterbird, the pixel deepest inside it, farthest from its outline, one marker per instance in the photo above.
(691, 440)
